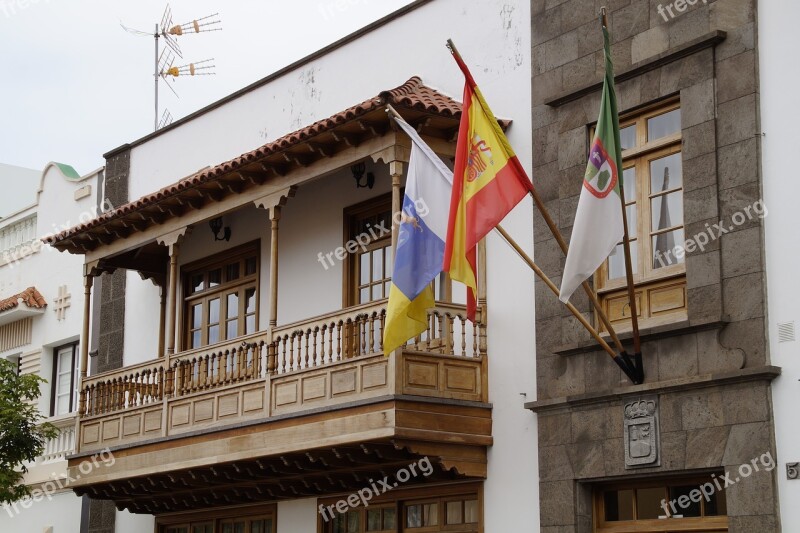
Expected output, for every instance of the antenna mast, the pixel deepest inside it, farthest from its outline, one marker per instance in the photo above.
(164, 59)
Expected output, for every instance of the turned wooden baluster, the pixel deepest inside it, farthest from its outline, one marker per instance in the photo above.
(314, 358)
(339, 341)
(363, 321)
(271, 358)
(475, 339)
(383, 323)
(450, 334)
(463, 335)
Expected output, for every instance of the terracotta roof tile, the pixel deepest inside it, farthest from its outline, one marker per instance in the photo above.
(411, 95)
(30, 297)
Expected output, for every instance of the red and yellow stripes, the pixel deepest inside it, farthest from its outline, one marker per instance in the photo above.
(488, 181)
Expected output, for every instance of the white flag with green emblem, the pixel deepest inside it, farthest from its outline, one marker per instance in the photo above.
(598, 221)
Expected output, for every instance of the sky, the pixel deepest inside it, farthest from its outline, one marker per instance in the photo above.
(75, 84)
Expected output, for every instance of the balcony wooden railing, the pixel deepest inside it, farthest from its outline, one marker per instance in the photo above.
(242, 359)
(336, 357)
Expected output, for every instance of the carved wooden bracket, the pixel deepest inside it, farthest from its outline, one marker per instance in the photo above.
(275, 199)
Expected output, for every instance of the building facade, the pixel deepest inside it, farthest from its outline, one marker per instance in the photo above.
(40, 326)
(235, 368)
(694, 447)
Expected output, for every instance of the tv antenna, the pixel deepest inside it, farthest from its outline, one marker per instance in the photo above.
(164, 65)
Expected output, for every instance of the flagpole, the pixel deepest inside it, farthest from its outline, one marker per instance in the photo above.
(626, 245)
(550, 223)
(577, 314)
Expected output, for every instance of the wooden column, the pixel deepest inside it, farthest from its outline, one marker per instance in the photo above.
(396, 171)
(275, 216)
(172, 297)
(88, 280)
(162, 321)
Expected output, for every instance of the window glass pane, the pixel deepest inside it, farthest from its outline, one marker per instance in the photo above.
(363, 295)
(213, 334)
(364, 269)
(250, 324)
(414, 516)
(196, 339)
(664, 252)
(683, 504)
(62, 405)
(666, 173)
(339, 524)
(233, 305)
(389, 258)
(455, 513)
(377, 291)
(618, 505)
(648, 503)
(214, 277)
(718, 506)
(664, 125)
(227, 528)
(667, 211)
(197, 283)
(627, 137)
(374, 522)
(213, 311)
(250, 266)
(353, 522)
(632, 212)
(197, 316)
(616, 261)
(629, 181)
(390, 518)
(471, 512)
(250, 300)
(431, 514)
(232, 331)
(232, 271)
(377, 264)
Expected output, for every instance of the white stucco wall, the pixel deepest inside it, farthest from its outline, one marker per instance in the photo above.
(494, 38)
(61, 511)
(779, 119)
(134, 523)
(297, 516)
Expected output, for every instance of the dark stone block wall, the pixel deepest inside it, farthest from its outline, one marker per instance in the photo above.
(711, 373)
(108, 320)
(109, 289)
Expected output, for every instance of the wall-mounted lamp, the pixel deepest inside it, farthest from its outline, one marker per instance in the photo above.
(358, 173)
(216, 227)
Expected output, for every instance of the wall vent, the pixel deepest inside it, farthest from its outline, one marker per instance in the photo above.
(786, 332)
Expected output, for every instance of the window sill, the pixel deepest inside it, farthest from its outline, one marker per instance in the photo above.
(646, 334)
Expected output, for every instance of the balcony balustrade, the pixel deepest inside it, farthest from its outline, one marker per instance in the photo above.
(318, 362)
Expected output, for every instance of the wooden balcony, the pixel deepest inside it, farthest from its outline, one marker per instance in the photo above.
(319, 386)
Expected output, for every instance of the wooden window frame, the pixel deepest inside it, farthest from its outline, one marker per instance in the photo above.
(73, 378)
(704, 524)
(218, 517)
(241, 284)
(401, 498)
(647, 280)
(351, 263)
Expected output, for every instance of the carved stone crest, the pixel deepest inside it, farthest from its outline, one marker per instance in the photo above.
(641, 435)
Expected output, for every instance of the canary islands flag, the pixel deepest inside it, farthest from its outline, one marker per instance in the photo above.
(488, 181)
(420, 243)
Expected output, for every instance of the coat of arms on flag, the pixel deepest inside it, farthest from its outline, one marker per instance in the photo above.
(601, 173)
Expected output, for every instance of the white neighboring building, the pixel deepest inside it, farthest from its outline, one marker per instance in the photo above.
(41, 310)
(781, 190)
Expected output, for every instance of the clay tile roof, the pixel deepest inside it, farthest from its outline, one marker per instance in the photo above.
(30, 297)
(412, 96)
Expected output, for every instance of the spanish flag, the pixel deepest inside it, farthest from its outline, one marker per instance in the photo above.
(488, 181)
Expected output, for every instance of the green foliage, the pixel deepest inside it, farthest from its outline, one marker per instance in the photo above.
(22, 435)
